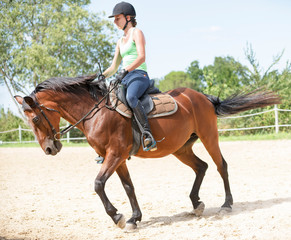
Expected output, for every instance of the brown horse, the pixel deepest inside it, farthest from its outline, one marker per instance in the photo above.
(110, 134)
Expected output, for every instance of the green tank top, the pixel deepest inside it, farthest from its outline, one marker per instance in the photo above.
(128, 52)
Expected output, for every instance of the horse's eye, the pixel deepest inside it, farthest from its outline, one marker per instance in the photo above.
(35, 120)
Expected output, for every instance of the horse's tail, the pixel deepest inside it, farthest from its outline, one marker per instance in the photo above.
(240, 102)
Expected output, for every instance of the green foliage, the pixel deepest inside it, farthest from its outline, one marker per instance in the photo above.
(223, 78)
(43, 39)
(74, 133)
(197, 76)
(226, 76)
(175, 80)
(271, 78)
(8, 122)
(256, 136)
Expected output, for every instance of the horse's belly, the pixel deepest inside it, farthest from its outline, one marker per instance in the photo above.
(170, 135)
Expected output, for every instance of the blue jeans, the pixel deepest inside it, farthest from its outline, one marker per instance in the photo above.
(136, 83)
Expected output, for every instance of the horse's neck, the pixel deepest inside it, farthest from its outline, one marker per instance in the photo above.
(73, 107)
(76, 109)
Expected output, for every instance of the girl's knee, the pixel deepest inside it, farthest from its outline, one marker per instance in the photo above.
(131, 100)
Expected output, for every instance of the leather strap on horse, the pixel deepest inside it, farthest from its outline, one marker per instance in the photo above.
(70, 127)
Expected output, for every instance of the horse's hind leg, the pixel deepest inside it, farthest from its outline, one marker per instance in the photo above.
(187, 156)
(124, 176)
(211, 144)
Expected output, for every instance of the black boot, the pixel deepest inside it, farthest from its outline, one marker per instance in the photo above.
(148, 140)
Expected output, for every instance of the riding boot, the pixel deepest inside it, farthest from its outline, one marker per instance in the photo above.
(148, 140)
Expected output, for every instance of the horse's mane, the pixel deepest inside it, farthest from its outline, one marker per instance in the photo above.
(75, 85)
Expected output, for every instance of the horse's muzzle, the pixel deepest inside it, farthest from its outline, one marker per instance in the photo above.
(53, 148)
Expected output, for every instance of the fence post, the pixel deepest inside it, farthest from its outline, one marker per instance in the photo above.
(19, 133)
(276, 118)
(68, 134)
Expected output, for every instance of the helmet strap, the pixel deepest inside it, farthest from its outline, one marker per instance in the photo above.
(127, 21)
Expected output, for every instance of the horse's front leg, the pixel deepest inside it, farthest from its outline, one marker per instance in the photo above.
(107, 169)
(124, 176)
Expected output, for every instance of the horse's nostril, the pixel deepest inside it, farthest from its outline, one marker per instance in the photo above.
(48, 150)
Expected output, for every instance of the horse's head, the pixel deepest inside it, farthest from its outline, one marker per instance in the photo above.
(44, 122)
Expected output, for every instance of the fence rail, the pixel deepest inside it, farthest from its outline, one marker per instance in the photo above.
(276, 125)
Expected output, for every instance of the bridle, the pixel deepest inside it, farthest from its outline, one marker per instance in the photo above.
(36, 119)
(57, 135)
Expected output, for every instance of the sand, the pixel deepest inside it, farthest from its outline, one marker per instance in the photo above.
(45, 197)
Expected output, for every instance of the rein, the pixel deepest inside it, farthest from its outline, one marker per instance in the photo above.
(58, 135)
(70, 127)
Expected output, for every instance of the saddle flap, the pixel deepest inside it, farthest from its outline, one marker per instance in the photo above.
(147, 103)
(121, 94)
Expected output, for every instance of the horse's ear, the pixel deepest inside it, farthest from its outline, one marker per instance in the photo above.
(29, 101)
(19, 99)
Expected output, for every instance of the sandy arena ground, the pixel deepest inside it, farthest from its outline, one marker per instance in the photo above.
(44, 197)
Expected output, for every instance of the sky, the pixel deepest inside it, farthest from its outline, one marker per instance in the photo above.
(179, 32)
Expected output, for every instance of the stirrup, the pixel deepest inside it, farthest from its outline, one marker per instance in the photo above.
(99, 160)
(153, 146)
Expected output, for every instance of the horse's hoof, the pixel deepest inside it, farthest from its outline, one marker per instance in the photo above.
(121, 223)
(199, 210)
(130, 226)
(224, 210)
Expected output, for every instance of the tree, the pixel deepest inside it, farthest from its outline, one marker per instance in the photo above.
(192, 78)
(8, 121)
(196, 75)
(175, 79)
(226, 76)
(41, 39)
(272, 79)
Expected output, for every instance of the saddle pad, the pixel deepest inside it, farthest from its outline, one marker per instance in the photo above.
(164, 105)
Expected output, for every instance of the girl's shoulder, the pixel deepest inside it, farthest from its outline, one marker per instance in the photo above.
(136, 32)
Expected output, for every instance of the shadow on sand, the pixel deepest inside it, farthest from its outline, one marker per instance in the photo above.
(214, 214)
(3, 238)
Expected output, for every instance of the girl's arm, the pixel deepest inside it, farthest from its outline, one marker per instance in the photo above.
(115, 63)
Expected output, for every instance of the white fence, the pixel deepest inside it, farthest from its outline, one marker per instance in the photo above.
(276, 125)
(20, 130)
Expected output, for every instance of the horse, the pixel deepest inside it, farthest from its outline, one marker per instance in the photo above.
(110, 134)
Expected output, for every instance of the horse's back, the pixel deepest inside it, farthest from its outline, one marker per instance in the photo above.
(192, 100)
(198, 109)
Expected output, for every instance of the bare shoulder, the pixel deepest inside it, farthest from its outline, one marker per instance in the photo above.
(138, 34)
(137, 30)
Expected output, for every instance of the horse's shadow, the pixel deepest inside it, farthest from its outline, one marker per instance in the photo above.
(213, 214)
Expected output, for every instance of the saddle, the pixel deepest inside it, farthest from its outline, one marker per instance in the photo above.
(155, 103)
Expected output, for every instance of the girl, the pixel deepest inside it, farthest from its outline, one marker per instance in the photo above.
(131, 50)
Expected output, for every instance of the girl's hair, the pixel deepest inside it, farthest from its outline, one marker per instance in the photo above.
(133, 21)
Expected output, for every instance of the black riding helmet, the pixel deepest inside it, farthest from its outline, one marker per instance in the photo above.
(124, 8)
